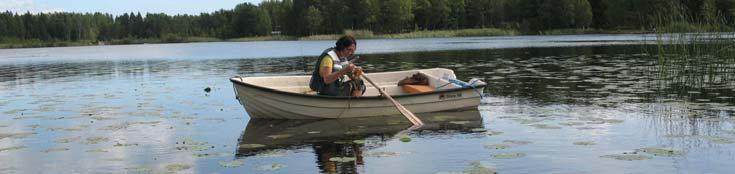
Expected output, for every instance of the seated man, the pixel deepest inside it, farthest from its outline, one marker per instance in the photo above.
(328, 77)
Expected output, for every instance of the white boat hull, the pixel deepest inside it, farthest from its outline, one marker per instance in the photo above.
(288, 100)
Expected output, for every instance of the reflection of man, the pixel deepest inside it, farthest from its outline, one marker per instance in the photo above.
(325, 151)
(332, 66)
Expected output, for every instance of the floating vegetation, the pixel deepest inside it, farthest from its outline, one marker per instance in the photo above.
(586, 128)
(115, 159)
(12, 148)
(15, 135)
(459, 122)
(405, 139)
(272, 153)
(97, 151)
(139, 170)
(118, 144)
(314, 132)
(251, 146)
(493, 133)
(96, 140)
(194, 148)
(478, 130)
(342, 159)
(359, 141)
(544, 126)
(279, 136)
(509, 155)
(496, 146)
(719, 140)
(272, 167)
(518, 142)
(585, 143)
(189, 141)
(382, 154)
(55, 150)
(662, 151)
(231, 164)
(67, 140)
(572, 123)
(177, 167)
(479, 168)
(627, 156)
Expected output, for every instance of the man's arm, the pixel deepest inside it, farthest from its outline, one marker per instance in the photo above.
(329, 77)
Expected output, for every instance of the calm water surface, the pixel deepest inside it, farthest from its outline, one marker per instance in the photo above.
(561, 104)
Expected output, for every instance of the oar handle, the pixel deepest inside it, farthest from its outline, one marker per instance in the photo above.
(408, 114)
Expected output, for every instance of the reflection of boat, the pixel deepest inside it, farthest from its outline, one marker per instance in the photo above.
(264, 134)
(287, 97)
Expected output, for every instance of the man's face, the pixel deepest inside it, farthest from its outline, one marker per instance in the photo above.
(347, 52)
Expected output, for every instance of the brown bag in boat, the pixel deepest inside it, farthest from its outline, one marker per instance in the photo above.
(416, 79)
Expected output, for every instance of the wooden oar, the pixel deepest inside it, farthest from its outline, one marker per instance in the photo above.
(408, 114)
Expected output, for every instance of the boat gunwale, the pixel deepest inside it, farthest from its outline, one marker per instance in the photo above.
(239, 82)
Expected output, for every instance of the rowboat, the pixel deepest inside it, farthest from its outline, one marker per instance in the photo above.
(289, 97)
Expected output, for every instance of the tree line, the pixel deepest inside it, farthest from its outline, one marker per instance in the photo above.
(311, 17)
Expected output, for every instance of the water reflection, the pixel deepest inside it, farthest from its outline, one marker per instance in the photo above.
(335, 139)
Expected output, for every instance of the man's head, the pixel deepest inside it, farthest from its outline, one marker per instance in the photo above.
(345, 46)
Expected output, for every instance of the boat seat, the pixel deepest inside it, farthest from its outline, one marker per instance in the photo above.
(417, 88)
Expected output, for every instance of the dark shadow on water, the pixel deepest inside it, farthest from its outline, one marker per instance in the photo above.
(330, 138)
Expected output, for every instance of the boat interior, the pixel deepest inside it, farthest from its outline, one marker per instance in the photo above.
(388, 81)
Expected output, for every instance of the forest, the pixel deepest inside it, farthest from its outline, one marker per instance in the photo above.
(314, 17)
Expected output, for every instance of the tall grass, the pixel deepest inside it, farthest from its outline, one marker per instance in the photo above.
(699, 57)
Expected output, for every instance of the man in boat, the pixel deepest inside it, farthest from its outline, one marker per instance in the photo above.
(332, 70)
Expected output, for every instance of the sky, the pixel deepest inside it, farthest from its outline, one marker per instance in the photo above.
(118, 7)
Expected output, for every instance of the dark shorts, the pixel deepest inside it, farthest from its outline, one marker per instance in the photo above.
(351, 85)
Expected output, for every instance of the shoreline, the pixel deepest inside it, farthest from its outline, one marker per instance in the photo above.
(359, 34)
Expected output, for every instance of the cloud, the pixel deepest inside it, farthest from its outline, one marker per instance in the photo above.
(22, 6)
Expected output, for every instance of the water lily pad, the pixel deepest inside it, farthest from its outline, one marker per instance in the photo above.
(189, 141)
(573, 123)
(55, 150)
(518, 142)
(479, 168)
(382, 154)
(585, 143)
(272, 167)
(97, 151)
(67, 140)
(96, 140)
(177, 167)
(280, 136)
(478, 130)
(544, 126)
(16, 135)
(627, 157)
(272, 153)
(12, 148)
(509, 155)
(496, 146)
(459, 122)
(662, 151)
(251, 146)
(405, 139)
(493, 133)
(342, 159)
(719, 140)
(231, 164)
(118, 144)
(139, 170)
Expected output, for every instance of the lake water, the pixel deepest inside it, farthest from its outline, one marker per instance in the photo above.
(558, 104)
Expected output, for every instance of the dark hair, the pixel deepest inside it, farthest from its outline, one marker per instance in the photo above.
(344, 42)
